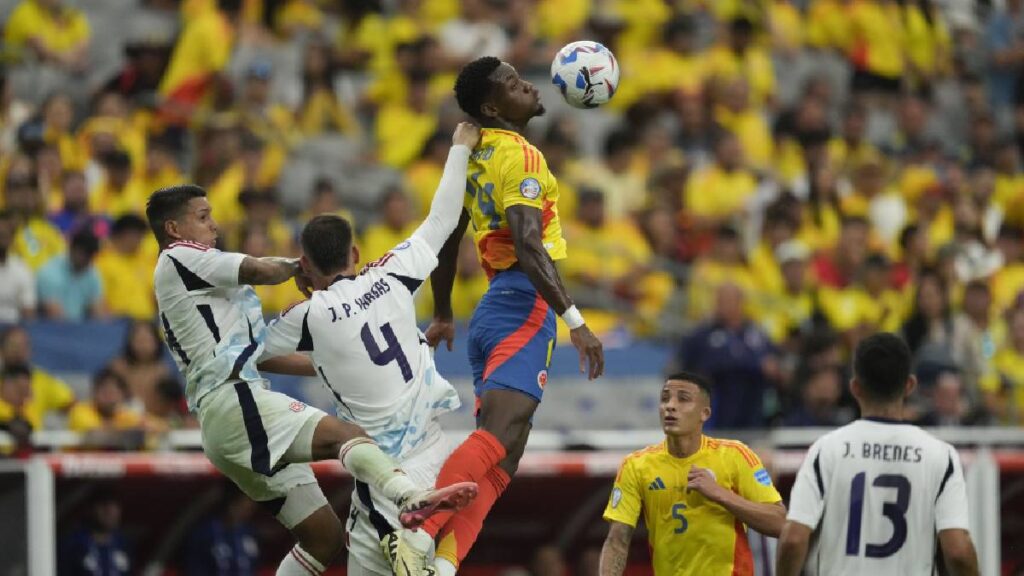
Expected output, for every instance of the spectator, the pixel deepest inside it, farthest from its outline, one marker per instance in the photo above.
(74, 213)
(321, 110)
(169, 411)
(946, 402)
(938, 340)
(404, 127)
(741, 57)
(470, 281)
(141, 365)
(476, 31)
(611, 267)
(395, 226)
(160, 167)
(819, 406)
(737, 356)
(724, 264)
(722, 190)
(69, 286)
(325, 200)
(838, 268)
(874, 199)
(874, 48)
(13, 113)
(262, 210)
(1006, 56)
(790, 310)
(422, 176)
(851, 147)
(119, 192)
(274, 298)
(36, 241)
(224, 544)
(977, 316)
(98, 547)
(616, 176)
(19, 415)
(106, 419)
(272, 123)
(779, 227)
(49, 394)
(1004, 389)
(735, 113)
(820, 218)
(56, 33)
(17, 285)
(125, 265)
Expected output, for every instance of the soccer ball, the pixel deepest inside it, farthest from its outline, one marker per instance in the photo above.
(586, 72)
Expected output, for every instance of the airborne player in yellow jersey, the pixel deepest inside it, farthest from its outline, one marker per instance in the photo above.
(696, 493)
(511, 202)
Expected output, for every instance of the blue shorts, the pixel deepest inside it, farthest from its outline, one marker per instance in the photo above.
(511, 336)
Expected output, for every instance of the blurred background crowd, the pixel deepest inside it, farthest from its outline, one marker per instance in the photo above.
(773, 180)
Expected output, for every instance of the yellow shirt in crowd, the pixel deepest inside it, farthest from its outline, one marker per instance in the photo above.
(61, 34)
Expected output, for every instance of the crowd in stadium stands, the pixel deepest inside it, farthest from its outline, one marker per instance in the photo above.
(773, 179)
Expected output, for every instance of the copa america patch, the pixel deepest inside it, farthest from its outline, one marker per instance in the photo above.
(530, 188)
(403, 245)
(762, 477)
(542, 379)
(616, 497)
(296, 406)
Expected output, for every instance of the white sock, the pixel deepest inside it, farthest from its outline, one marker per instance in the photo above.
(444, 567)
(420, 540)
(364, 459)
(298, 562)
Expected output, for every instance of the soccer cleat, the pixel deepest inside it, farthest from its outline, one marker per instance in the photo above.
(404, 559)
(415, 510)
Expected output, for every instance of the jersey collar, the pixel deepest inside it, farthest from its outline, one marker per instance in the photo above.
(881, 420)
(341, 277)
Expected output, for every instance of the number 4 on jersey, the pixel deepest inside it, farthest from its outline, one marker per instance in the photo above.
(390, 354)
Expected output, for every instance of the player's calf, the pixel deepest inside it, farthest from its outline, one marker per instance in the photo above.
(320, 541)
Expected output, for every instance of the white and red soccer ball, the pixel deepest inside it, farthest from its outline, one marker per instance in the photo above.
(586, 72)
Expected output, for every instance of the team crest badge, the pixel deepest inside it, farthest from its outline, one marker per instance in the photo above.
(616, 497)
(542, 379)
(296, 406)
(530, 188)
(763, 477)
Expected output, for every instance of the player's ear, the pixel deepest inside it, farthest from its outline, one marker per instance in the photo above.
(855, 388)
(171, 230)
(911, 385)
(488, 110)
(354, 255)
(306, 265)
(705, 413)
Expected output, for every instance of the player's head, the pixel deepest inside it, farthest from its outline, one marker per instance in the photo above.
(181, 213)
(685, 404)
(881, 370)
(327, 249)
(492, 93)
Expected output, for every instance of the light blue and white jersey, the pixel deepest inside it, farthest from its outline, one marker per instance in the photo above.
(362, 336)
(212, 324)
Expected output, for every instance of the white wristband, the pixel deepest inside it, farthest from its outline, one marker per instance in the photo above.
(573, 318)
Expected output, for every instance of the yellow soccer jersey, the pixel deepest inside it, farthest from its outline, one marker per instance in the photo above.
(687, 533)
(505, 170)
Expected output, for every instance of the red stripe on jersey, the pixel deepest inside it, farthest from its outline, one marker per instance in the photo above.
(743, 450)
(515, 341)
(742, 559)
(547, 214)
(305, 564)
(188, 244)
(526, 157)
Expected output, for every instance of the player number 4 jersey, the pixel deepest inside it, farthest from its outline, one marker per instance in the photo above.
(362, 336)
(505, 170)
(878, 492)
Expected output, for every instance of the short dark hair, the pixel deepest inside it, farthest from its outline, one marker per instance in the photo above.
(16, 371)
(326, 241)
(169, 203)
(86, 241)
(702, 382)
(128, 223)
(107, 373)
(473, 85)
(881, 364)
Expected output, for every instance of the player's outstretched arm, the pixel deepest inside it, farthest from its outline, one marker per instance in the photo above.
(267, 271)
(446, 207)
(527, 232)
(441, 281)
(615, 551)
(958, 551)
(793, 543)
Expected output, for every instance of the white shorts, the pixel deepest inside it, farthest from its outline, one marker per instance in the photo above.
(247, 430)
(372, 516)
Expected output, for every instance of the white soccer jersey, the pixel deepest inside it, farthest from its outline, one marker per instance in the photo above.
(213, 326)
(362, 336)
(878, 492)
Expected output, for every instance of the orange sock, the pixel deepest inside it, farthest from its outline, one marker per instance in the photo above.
(459, 534)
(470, 462)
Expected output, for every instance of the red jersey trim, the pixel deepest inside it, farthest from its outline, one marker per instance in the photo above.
(188, 244)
